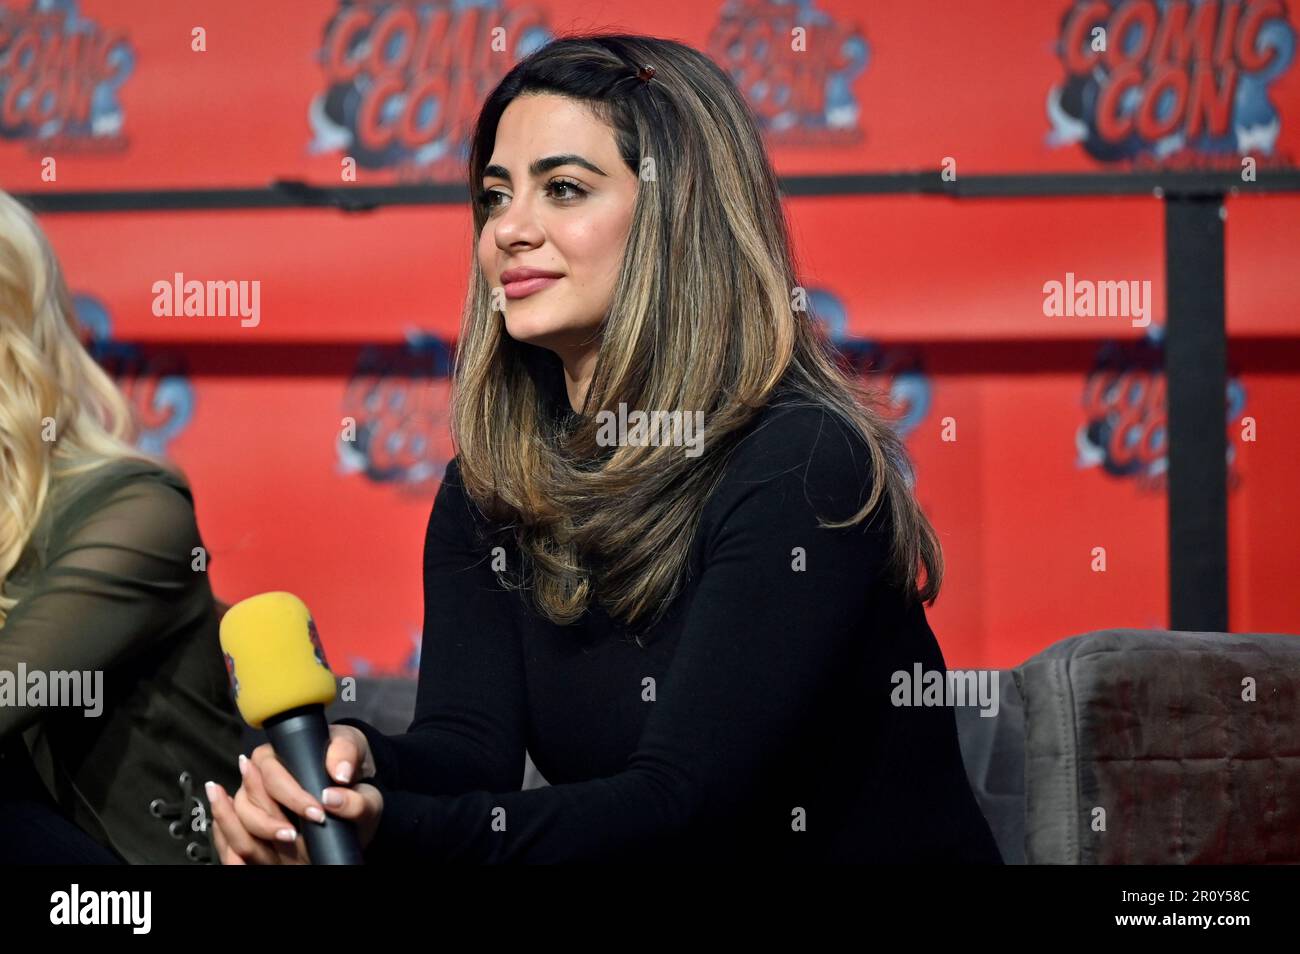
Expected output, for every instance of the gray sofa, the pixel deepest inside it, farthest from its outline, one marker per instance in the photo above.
(1144, 747)
(1112, 747)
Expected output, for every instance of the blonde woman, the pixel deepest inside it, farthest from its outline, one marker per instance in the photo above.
(99, 596)
(694, 635)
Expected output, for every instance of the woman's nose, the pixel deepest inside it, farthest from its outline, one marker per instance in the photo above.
(517, 223)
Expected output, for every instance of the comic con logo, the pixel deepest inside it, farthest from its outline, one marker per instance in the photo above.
(318, 648)
(60, 78)
(1172, 82)
(230, 672)
(894, 374)
(796, 67)
(155, 384)
(395, 424)
(404, 80)
(1125, 430)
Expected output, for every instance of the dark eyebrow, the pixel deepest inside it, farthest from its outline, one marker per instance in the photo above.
(541, 166)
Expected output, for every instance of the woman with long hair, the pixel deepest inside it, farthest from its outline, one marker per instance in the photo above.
(677, 557)
(102, 587)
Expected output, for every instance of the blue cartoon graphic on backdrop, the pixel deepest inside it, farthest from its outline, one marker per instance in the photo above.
(155, 385)
(1172, 83)
(1124, 407)
(397, 401)
(895, 371)
(404, 79)
(64, 88)
(797, 98)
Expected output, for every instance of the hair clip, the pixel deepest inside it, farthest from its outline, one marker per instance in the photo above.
(645, 73)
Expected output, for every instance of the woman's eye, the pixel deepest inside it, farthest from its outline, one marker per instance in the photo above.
(486, 199)
(574, 190)
(560, 189)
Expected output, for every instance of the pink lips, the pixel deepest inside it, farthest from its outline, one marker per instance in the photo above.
(528, 286)
(522, 282)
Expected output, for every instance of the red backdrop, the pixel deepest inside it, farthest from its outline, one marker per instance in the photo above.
(943, 297)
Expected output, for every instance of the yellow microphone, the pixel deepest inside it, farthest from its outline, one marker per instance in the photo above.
(282, 684)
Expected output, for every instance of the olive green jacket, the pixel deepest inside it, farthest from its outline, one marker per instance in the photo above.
(114, 581)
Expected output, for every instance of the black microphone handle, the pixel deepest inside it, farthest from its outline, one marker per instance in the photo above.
(300, 738)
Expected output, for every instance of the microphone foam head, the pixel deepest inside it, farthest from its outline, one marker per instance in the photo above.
(274, 657)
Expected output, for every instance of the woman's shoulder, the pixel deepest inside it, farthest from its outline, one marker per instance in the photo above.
(140, 495)
(799, 458)
(452, 494)
(84, 488)
(454, 510)
(794, 432)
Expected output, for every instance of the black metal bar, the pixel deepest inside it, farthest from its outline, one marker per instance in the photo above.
(284, 194)
(1196, 380)
(1166, 184)
(290, 194)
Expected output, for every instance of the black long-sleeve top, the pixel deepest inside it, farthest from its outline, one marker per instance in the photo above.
(756, 722)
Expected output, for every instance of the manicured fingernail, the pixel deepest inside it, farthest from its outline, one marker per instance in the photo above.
(332, 798)
(344, 772)
(315, 814)
(211, 789)
(243, 764)
(286, 834)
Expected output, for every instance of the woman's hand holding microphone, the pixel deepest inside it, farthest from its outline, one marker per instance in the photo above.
(252, 827)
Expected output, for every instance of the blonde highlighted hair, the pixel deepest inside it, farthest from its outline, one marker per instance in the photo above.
(49, 387)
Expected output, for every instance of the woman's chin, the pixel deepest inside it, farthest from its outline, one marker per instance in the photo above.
(541, 330)
(529, 332)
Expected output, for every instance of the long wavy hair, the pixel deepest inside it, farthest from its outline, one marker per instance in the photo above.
(49, 388)
(703, 317)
